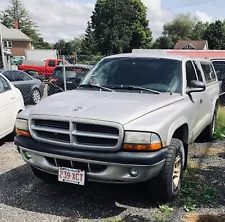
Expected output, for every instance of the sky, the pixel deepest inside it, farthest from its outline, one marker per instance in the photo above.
(66, 19)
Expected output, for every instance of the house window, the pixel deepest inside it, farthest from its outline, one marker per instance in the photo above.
(7, 44)
(188, 46)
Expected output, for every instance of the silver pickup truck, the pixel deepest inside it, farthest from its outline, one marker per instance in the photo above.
(130, 120)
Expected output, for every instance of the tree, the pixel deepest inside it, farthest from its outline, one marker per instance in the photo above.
(163, 42)
(76, 45)
(199, 30)
(88, 45)
(60, 46)
(6, 20)
(215, 34)
(17, 13)
(181, 28)
(120, 26)
(68, 48)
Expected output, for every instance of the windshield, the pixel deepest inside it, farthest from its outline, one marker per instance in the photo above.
(163, 75)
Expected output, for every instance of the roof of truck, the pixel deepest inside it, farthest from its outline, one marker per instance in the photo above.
(157, 55)
(149, 55)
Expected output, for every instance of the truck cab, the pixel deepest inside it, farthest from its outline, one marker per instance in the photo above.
(44, 68)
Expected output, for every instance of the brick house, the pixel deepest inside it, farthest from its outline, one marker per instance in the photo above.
(192, 45)
(15, 41)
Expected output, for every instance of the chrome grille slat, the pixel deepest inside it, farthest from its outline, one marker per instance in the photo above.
(90, 134)
(49, 129)
(77, 133)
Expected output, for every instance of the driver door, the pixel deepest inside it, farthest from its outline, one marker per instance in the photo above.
(196, 99)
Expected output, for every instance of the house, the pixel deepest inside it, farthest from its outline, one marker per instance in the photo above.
(14, 40)
(192, 44)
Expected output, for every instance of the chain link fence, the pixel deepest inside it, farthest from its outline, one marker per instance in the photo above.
(219, 65)
(68, 75)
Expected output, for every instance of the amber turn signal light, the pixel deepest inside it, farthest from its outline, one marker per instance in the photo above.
(142, 147)
(23, 132)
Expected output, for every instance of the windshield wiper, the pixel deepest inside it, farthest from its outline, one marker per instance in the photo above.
(96, 86)
(136, 88)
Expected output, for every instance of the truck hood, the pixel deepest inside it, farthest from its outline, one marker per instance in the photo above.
(117, 107)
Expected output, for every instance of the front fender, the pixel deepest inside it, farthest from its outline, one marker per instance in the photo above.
(176, 125)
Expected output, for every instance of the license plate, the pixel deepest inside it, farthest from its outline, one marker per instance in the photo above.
(74, 176)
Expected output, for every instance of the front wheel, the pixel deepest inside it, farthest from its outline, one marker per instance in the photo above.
(36, 96)
(166, 186)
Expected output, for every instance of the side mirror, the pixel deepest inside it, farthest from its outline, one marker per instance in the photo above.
(195, 86)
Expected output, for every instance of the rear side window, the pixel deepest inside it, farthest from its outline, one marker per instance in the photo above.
(208, 72)
(51, 63)
(190, 72)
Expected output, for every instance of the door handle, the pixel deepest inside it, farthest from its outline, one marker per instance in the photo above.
(201, 101)
(12, 97)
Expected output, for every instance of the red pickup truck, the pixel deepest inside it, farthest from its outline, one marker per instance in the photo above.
(44, 68)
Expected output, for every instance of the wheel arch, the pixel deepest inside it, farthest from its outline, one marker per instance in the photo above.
(181, 132)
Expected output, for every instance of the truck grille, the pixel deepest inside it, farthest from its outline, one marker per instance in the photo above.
(52, 123)
(77, 134)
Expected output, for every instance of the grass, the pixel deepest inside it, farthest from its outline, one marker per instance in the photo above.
(195, 191)
(220, 124)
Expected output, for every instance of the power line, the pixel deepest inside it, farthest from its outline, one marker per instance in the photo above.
(183, 6)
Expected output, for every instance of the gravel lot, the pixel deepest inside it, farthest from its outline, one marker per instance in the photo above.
(25, 198)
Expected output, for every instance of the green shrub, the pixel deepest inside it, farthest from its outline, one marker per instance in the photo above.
(220, 124)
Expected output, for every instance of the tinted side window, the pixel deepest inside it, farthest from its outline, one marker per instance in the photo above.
(51, 63)
(9, 75)
(208, 72)
(190, 72)
(19, 76)
(199, 73)
(4, 86)
(24, 75)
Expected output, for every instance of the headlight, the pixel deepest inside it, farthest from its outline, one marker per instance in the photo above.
(142, 141)
(22, 127)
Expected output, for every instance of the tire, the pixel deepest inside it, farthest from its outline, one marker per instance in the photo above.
(46, 177)
(36, 96)
(208, 133)
(166, 186)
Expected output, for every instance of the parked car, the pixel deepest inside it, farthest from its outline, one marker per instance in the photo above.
(11, 104)
(32, 89)
(130, 120)
(35, 74)
(17, 60)
(44, 68)
(74, 74)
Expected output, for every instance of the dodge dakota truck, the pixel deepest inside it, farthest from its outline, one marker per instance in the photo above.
(129, 121)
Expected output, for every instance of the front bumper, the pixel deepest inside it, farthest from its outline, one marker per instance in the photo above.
(118, 167)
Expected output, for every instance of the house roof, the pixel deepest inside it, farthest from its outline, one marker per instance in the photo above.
(197, 44)
(12, 34)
